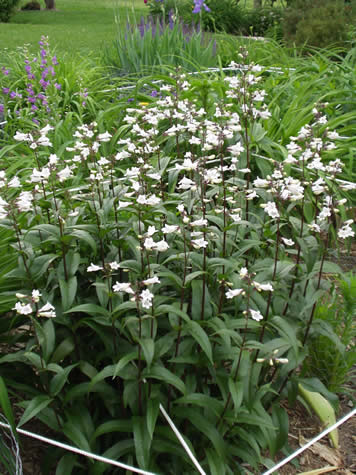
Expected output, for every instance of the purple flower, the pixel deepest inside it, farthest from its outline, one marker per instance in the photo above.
(130, 99)
(28, 68)
(2, 108)
(34, 108)
(154, 93)
(5, 71)
(36, 121)
(198, 4)
(5, 90)
(57, 86)
(13, 94)
(54, 61)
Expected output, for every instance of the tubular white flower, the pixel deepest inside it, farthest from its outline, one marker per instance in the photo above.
(256, 315)
(93, 268)
(123, 287)
(230, 294)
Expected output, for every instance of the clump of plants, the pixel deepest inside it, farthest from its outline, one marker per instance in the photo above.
(162, 266)
(153, 45)
(332, 355)
(318, 24)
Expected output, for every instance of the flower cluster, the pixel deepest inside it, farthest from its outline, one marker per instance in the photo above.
(31, 307)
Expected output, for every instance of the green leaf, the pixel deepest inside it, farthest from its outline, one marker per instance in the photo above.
(216, 464)
(204, 426)
(63, 349)
(148, 348)
(90, 309)
(151, 416)
(50, 338)
(199, 335)
(193, 276)
(142, 441)
(163, 374)
(66, 464)
(86, 237)
(124, 361)
(76, 435)
(68, 291)
(237, 393)
(202, 400)
(6, 406)
(60, 379)
(34, 407)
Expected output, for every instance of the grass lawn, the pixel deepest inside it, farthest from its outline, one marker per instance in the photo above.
(80, 26)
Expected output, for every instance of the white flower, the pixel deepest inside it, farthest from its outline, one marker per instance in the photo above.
(168, 229)
(146, 298)
(233, 293)
(250, 194)
(65, 174)
(14, 183)
(123, 287)
(123, 204)
(271, 209)
(47, 311)
(23, 309)
(187, 165)
(53, 159)
(114, 265)
(261, 183)
(180, 208)
(161, 246)
(256, 315)
(314, 227)
(288, 242)
(243, 272)
(346, 231)
(151, 230)
(199, 222)
(149, 243)
(20, 137)
(105, 137)
(153, 200)
(266, 287)
(152, 280)
(199, 243)
(24, 201)
(235, 217)
(93, 268)
(186, 184)
(36, 294)
(236, 149)
(46, 129)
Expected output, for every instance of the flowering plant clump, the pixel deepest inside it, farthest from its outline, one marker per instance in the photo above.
(40, 95)
(181, 270)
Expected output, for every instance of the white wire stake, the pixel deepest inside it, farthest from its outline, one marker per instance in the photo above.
(78, 451)
(181, 440)
(310, 443)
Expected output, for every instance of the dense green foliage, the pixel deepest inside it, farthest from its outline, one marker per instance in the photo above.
(7, 8)
(318, 23)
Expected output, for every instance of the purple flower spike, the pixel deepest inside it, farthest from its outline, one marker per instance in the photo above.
(199, 4)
